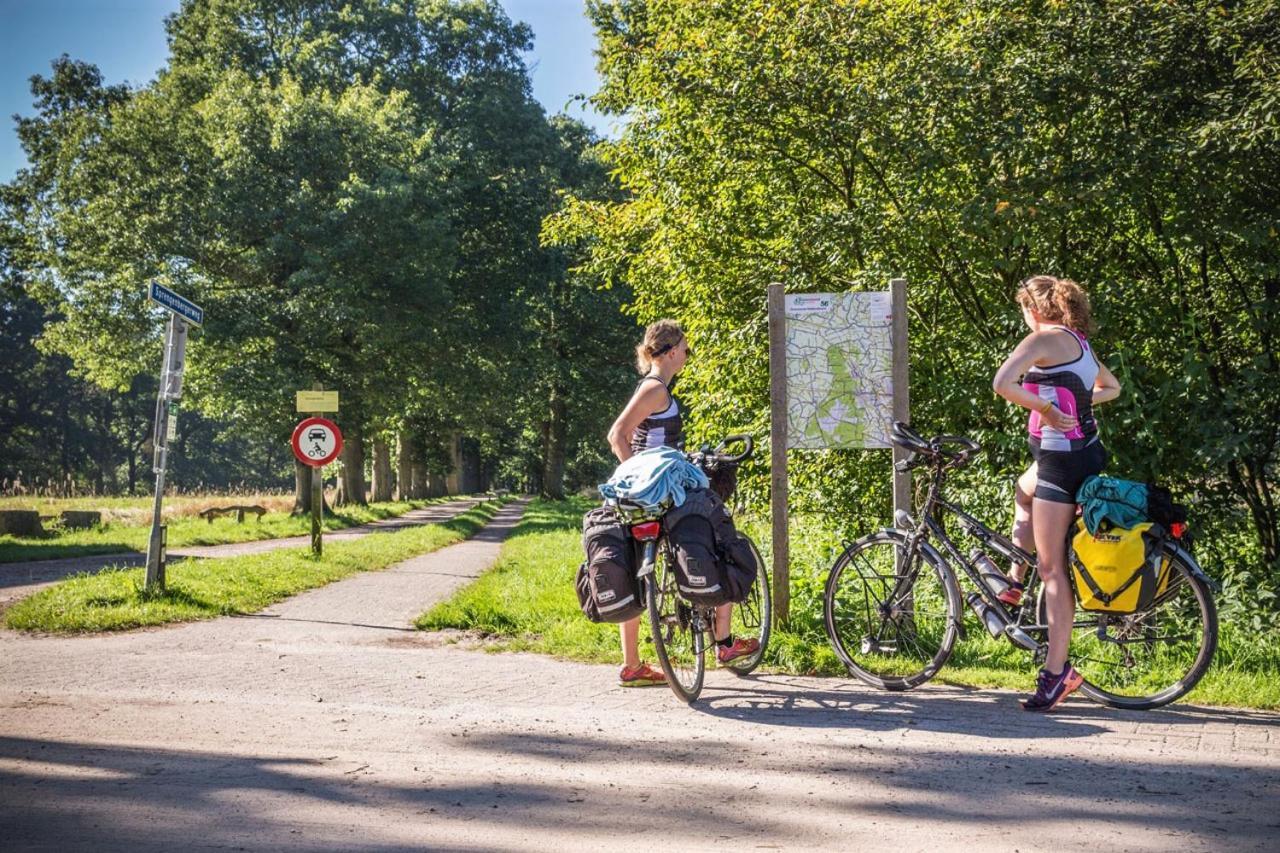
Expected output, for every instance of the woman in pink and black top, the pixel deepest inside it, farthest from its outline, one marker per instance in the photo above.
(1054, 373)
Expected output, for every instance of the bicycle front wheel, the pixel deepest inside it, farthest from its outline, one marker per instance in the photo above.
(1148, 659)
(891, 616)
(679, 632)
(753, 617)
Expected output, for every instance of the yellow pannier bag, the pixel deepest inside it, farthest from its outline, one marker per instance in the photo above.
(1119, 570)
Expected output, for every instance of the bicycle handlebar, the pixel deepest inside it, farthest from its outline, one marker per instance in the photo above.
(933, 450)
(746, 440)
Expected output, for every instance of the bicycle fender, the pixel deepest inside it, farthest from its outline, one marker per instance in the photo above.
(1196, 570)
(930, 553)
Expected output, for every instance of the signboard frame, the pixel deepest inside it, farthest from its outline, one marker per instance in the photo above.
(778, 426)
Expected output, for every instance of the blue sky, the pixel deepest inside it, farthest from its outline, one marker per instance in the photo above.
(125, 39)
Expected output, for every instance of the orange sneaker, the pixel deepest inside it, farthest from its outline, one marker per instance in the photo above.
(1012, 595)
(641, 676)
(741, 647)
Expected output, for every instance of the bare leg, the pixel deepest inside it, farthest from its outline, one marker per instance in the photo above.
(724, 618)
(1023, 490)
(1051, 522)
(630, 642)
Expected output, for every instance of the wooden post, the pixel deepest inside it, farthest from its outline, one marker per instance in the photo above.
(778, 455)
(317, 508)
(317, 496)
(901, 396)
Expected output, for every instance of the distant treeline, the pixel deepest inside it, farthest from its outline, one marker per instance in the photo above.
(354, 193)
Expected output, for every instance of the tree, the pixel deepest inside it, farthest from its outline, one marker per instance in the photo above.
(830, 145)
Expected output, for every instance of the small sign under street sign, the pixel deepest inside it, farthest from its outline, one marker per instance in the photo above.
(317, 401)
(180, 305)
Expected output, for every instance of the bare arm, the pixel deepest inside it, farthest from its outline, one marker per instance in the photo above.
(649, 398)
(1106, 387)
(1034, 349)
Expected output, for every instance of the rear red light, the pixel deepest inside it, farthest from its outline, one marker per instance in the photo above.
(645, 532)
(1177, 529)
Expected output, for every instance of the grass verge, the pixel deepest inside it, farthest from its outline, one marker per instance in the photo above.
(115, 538)
(527, 603)
(115, 600)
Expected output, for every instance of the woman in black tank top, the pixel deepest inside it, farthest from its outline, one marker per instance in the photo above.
(651, 418)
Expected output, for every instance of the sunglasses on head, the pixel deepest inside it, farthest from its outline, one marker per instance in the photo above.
(665, 348)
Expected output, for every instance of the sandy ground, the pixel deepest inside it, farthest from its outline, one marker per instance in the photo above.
(327, 723)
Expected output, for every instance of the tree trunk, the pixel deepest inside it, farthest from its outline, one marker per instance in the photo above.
(301, 489)
(351, 488)
(404, 466)
(417, 480)
(553, 471)
(381, 469)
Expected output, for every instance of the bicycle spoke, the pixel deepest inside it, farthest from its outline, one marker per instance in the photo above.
(888, 617)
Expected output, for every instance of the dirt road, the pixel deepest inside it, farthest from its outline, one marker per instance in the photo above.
(327, 723)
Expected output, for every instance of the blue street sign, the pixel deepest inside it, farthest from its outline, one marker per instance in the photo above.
(185, 308)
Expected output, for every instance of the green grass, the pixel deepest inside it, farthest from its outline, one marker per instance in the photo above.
(115, 600)
(527, 603)
(118, 538)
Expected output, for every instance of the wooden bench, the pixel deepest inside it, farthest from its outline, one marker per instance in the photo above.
(214, 511)
(20, 522)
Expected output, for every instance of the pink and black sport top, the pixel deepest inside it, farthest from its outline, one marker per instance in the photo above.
(1070, 387)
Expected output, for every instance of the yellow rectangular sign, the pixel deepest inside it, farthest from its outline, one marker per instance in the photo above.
(317, 401)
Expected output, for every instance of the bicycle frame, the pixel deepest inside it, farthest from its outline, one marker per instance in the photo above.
(1016, 629)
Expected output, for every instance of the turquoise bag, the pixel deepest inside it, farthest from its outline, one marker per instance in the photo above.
(1123, 503)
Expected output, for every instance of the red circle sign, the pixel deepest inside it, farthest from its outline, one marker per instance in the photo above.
(317, 442)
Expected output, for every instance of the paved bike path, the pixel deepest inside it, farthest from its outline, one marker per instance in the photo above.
(326, 723)
(18, 580)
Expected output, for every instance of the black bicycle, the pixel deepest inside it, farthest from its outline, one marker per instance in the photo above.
(683, 632)
(893, 606)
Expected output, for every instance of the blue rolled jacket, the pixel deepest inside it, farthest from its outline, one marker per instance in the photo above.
(654, 478)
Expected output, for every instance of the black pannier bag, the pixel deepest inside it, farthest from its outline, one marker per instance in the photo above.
(607, 586)
(714, 564)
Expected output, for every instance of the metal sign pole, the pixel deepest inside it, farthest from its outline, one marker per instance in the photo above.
(175, 347)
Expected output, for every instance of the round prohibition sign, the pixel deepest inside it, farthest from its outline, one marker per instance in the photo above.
(317, 442)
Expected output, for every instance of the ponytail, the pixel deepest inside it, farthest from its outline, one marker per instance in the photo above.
(659, 338)
(1058, 300)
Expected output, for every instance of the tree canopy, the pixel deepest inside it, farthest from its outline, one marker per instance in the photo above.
(966, 145)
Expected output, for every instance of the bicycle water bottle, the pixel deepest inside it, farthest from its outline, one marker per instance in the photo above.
(991, 575)
(987, 615)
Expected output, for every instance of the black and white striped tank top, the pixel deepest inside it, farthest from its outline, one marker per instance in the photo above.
(661, 429)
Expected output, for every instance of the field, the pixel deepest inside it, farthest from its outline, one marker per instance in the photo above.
(127, 523)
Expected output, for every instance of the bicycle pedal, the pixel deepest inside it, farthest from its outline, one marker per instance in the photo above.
(1041, 655)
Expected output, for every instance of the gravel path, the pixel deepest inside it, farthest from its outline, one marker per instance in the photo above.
(326, 723)
(18, 580)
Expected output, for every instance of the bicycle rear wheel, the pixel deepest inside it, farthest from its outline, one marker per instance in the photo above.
(678, 628)
(753, 617)
(1148, 659)
(891, 618)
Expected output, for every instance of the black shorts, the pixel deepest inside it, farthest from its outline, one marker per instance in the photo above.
(1060, 473)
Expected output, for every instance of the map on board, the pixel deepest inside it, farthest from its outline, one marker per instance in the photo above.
(839, 370)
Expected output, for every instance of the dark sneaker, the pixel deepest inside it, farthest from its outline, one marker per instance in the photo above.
(1052, 689)
(641, 676)
(742, 647)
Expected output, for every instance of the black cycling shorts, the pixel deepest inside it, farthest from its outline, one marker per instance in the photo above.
(1060, 473)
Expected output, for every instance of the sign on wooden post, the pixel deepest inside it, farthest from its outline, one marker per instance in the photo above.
(837, 379)
(181, 312)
